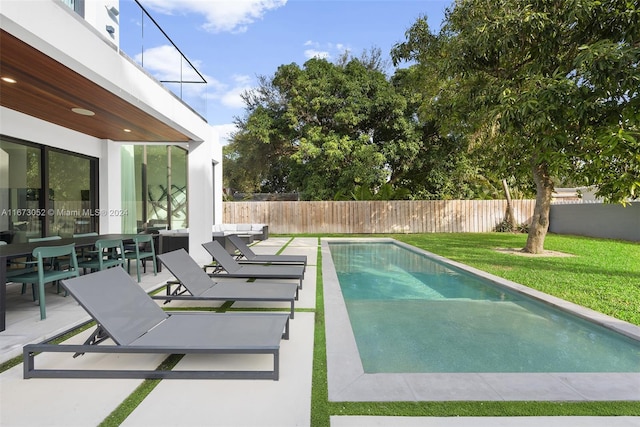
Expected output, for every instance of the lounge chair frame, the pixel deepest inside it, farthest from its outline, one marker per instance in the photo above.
(193, 284)
(233, 269)
(247, 256)
(175, 333)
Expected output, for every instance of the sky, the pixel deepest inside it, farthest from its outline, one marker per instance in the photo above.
(232, 42)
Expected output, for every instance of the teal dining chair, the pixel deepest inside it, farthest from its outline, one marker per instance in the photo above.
(43, 275)
(109, 253)
(141, 250)
(16, 271)
(30, 264)
(81, 253)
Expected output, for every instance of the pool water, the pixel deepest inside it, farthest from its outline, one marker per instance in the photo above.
(411, 313)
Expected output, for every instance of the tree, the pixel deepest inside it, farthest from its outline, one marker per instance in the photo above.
(258, 158)
(323, 129)
(547, 89)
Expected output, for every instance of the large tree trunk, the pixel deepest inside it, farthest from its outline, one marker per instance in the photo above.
(540, 222)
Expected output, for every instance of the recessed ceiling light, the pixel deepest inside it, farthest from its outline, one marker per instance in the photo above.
(8, 80)
(127, 130)
(83, 111)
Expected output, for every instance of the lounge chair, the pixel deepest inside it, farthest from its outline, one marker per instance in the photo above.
(251, 257)
(193, 280)
(136, 324)
(233, 269)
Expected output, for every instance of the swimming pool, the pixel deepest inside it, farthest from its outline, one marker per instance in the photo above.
(395, 322)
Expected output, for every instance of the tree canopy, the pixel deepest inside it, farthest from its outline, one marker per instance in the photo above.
(323, 129)
(544, 89)
(345, 130)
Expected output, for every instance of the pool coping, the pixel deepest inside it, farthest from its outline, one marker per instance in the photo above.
(348, 382)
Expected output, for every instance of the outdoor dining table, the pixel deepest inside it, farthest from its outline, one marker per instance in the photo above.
(19, 250)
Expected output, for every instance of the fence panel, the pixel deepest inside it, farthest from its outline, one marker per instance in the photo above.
(368, 217)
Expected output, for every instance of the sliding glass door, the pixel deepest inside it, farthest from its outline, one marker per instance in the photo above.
(71, 198)
(161, 187)
(45, 192)
(21, 213)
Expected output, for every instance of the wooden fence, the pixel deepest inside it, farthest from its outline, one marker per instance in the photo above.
(354, 217)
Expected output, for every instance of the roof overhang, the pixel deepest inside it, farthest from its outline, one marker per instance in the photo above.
(46, 89)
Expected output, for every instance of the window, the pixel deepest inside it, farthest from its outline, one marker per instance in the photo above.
(161, 187)
(20, 184)
(76, 5)
(70, 194)
(70, 181)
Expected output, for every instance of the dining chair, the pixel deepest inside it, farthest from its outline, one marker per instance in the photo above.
(15, 271)
(141, 250)
(108, 253)
(81, 252)
(30, 264)
(42, 275)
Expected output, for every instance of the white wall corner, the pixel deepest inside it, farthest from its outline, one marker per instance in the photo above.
(110, 187)
(201, 199)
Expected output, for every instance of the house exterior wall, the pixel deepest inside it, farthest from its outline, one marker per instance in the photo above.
(85, 47)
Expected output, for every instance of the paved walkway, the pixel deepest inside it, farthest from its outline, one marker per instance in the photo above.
(287, 402)
(87, 402)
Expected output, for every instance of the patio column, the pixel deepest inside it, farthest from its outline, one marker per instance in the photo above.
(201, 196)
(110, 187)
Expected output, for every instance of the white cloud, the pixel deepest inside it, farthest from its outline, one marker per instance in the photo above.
(225, 131)
(232, 98)
(229, 94)
(220, 15)
(326, 50)
(165, 62)
(313, 53)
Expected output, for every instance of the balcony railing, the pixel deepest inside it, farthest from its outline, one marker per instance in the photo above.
(146, 43)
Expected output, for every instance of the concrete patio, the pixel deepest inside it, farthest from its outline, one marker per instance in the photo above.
(287, 402)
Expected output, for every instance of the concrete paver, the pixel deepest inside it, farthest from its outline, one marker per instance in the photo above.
(286, 402)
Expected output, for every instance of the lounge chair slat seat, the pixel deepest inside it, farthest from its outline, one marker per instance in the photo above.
(200, 286)
(233, 269)
(251, 257)
(136, 324)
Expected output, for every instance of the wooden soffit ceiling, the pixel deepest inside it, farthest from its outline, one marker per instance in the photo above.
(48, 90)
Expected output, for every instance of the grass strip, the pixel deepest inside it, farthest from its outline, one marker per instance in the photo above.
(284, 246)
(485, 409)
(127, 407)
(5, 366)
(221, 309)
(320, 408)
(18, 359)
